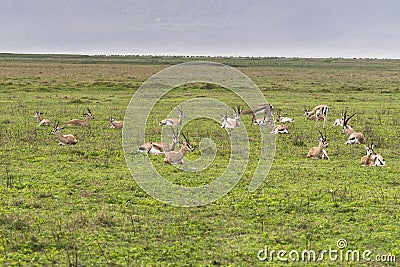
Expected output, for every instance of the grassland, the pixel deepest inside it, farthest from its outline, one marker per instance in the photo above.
(79, 205)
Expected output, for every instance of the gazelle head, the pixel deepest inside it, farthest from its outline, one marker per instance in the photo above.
(37, 114)
(186, 145)
(346, 126)
(180, 112)
(369, 149)
(322, 141)
(56, 129)
(90, 115)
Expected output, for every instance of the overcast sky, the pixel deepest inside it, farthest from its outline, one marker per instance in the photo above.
(291, 28)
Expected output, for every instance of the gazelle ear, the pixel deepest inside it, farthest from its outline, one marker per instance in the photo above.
(372, 146)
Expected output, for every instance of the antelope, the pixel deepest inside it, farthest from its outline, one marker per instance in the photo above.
(173, 122)
(279, 118)
(174, 157)
(81, 123)
(67, 139)
(339, 122)
(41, 121)
(275, 129)
(319, 151)
(319, 113)
(159, 148)
(372, 159)
(354, 137)
(116, 124)
(258, 109)
(229, 122)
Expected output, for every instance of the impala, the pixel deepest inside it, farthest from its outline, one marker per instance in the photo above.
(41, 121)
(116, 124)
(258, 109)
(67, 139)
(173, 122)
(229, 122)
(81, 123)
(159, 148)
(174, 157)
(319, 151)
(354, 137)
(372, 159)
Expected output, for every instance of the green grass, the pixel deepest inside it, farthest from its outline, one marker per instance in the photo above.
(79, 205)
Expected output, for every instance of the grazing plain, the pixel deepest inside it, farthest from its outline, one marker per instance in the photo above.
(79, 206)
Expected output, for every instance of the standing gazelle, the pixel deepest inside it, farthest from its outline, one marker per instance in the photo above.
(372, 159)
(319, 151)
(41, 121)
(174, 157)
(354, 137)
(320, 112)
(258, 109)
(229, 122)
(159, 148)
(67, 139)
(116, 124)
(81, 123)
(173, 122)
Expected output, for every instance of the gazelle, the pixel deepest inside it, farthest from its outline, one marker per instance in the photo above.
(258, 109)
(372, 159)
(159, 148)
(319, 151)
(67, 139)
(173, 122)
(279, 118)
(339, 122)
(174, 157)
(229, 122)
(276, 129)
(81, 123)
(320, 112)
(41, 121)
(116, 124)
(354, 137)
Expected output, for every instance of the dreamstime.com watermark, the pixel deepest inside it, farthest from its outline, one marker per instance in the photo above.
(339, 253)
(194, 107)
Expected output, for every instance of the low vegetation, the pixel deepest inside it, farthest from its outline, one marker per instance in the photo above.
(78, 205)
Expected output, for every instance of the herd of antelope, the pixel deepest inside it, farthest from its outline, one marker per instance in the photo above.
(171, 156)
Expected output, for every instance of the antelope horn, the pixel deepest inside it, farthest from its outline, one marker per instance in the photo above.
(321, 134)
(89, 110)
(187, 141)
(347, 120)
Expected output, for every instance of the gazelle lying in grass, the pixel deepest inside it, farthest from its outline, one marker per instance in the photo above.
(276, 129)
(257, 109)
(319, 113)
(174, 157)
(372, 159)
(279, 118)
(67, 139)
(159, 148)
(339, 122)
(41, 121)
(116, 124)
(229, 122)
(173, 122)
(319, 151)
(354, 137)
(81, 123)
